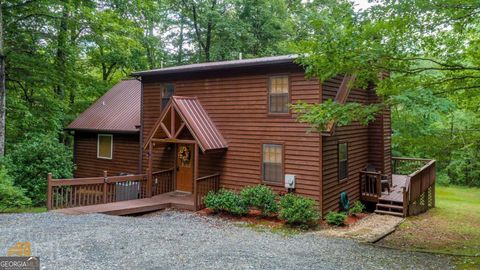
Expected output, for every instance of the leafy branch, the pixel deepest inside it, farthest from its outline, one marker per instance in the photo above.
(320, 115)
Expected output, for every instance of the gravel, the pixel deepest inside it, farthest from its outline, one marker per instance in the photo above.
(183, 240)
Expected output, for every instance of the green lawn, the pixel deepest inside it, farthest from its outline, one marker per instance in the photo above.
(23, 210)
(453, 227)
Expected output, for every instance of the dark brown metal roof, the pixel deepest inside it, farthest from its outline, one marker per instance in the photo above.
(116, 111)
(199, 123)
(283, 59)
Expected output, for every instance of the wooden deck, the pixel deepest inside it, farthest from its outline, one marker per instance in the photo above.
(178, 200)
(396, 191)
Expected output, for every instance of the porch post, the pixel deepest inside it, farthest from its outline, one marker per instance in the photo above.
(105, 186)
(149, 170)
(195, 176)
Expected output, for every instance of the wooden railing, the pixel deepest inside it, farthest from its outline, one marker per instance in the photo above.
(370, 186)
(202, 186)
(66, 193)
(162, 182)
(406, 166)
(419, 190)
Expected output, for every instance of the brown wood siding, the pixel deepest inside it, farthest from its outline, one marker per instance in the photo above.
(237, 104)
(125, 155)
(366, 144)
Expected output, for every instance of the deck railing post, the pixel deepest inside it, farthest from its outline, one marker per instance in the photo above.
(149, 182)
(406, 203)
(49, 192)
(105, 186)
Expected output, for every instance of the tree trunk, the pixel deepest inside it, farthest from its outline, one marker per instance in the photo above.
(62, 50)
(2, 87)
(180, 42)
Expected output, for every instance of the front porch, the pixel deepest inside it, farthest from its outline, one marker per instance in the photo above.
(126, 195)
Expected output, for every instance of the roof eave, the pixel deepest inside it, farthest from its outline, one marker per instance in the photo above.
(226, 66)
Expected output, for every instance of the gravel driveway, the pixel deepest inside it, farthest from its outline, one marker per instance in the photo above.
(182, 240)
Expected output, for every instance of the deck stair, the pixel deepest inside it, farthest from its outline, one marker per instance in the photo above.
(389, 207)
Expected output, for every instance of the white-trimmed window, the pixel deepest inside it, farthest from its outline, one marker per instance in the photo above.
(272, 163)
(278, 94)
(105, 146)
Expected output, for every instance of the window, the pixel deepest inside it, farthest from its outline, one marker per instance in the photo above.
(104, 146)
(272, 163)
(342, 161)
(278, 94)
(167, 92)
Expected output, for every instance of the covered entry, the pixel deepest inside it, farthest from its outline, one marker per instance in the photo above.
(184, 131)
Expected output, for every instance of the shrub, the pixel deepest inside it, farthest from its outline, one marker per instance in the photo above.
(30, 161)
(357, 208)
(297, 210)
(226, 200)
(10, 195)
(336, 218)
(261, 197)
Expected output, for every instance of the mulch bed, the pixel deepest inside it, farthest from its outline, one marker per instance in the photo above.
(254, 217)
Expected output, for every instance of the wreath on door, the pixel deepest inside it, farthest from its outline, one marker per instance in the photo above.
(184, 155)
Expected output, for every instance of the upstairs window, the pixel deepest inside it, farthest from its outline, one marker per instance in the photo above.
(105, 146)
(168, 89)
(278, 96)
(272, 163)
(342, 161)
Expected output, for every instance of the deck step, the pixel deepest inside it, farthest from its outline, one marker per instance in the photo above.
(393, 206)
(398, 214)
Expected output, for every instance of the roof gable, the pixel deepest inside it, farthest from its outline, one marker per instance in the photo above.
(187, 112)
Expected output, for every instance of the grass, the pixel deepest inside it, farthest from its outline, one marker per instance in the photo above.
(23, 210)
(453, 227)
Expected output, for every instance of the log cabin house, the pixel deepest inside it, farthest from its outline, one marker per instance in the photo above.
(228, 124)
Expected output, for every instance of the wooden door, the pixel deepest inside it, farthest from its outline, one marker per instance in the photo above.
(185, 167)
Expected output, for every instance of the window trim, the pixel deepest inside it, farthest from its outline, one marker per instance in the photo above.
(338, 160)
(111, 146)
(289, 98)
(262, 181)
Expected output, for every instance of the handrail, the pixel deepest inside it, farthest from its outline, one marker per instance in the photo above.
(208, 176)
(163, 171)
(431, 161)
(202, 186)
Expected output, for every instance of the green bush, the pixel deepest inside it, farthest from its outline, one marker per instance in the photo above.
(336, 218)
(261, 197)
(356, 209)
(226, 200)
(297, 210)
(30, 161)
(10, 195)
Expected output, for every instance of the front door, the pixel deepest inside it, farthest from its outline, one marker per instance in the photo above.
(185, 167)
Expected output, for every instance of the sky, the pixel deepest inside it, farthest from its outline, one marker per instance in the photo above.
(362, 4)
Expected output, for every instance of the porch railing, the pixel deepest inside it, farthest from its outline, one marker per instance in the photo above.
(370, 186)
(162, 182)
(419, 190)
(406, 166)
(66, 193)
(202, 186)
